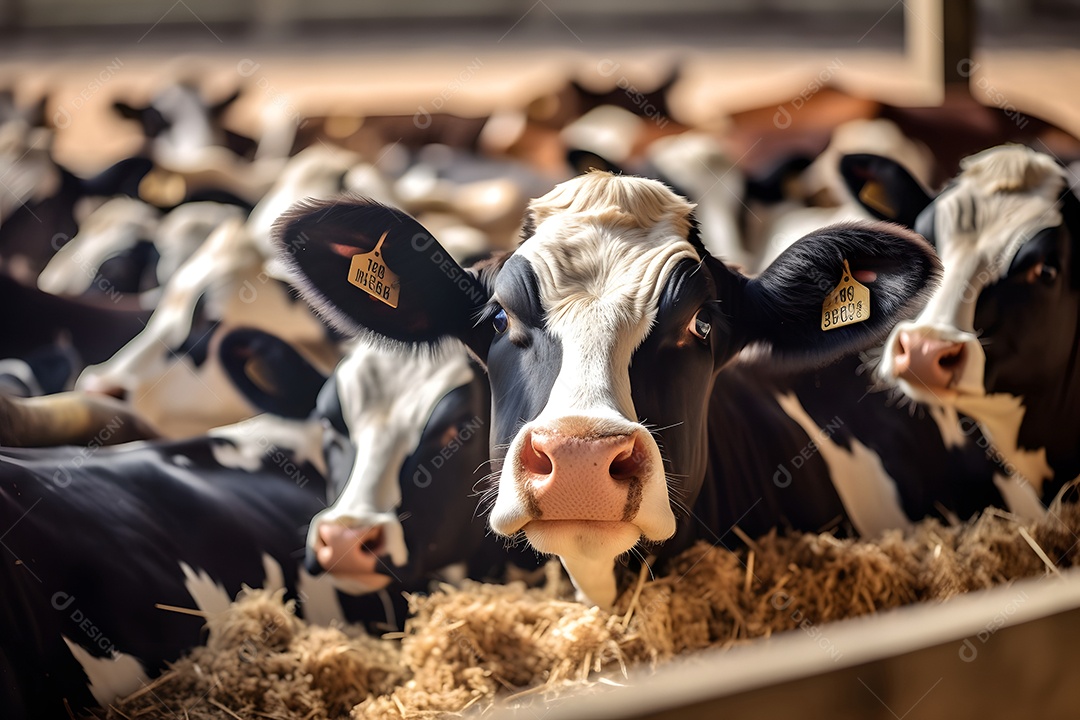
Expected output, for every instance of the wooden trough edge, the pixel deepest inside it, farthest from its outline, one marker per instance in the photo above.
(1004, 651)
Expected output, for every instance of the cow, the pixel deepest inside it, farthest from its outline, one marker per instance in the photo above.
(995, 349)
(38, 197)
(602, 336)
(401, 516)
(178, 124)
(58, 336)
(404, 436)
(170, 371)
(112, 557)
(127, 246)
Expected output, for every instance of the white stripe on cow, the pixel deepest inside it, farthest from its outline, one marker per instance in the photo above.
(209, 596)
(319, 599)
(868, 494)
(1000, 416)
(109, 677)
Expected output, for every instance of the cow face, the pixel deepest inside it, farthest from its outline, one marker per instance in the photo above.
(602, 335)
(405, 434)
(179, 123)
(1005, 229)
(171, 372)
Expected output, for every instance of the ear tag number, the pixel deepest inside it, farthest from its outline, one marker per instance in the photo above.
(368, 272)
(848, 303)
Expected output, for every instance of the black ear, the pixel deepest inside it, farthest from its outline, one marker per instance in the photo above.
(35, 115)
(122, 178)
(782, 309)
(582, 161)
(126, 111)
(372, 268)
(218, 109)
(770, 187)
(270, 373)
(884, 188)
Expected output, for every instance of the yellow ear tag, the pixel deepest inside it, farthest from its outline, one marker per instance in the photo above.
(848, 303)
(368, 272)
(873, 195)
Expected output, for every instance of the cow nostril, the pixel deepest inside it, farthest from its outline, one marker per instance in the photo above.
(117, 392)
(533, 458)
(627, 465)
(373, 542)
(953, 358)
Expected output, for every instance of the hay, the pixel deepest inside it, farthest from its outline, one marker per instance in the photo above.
(472, 646)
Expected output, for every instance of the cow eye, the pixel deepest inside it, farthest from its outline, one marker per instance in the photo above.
(700, 327)
(500, 321)
(1041, 272)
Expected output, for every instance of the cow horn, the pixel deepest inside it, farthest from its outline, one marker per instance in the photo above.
(70, 418)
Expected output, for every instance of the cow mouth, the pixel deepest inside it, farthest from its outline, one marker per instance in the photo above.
(582, 537)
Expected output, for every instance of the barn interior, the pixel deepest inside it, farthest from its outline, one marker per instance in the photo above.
(460, 114)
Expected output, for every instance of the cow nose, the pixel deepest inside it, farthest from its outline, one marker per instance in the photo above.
(346, 550)
(930, 362)
(582, 478)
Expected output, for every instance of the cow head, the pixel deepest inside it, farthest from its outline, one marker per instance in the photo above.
(602, 335)
(998, 339)
(179, 123)
(171, 371)
(403, 436)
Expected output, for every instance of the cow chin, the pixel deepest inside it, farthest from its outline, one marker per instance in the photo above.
(587, 549)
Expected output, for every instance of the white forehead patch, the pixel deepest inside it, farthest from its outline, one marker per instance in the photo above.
(1002, 198)
(603, 249)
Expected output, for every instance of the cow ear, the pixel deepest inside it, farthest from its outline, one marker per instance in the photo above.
(884, 187)
(126, 111)
(373, 269)
(270, 373)
(583, 161)
(782, 310)
(771, 187)
(218, 109)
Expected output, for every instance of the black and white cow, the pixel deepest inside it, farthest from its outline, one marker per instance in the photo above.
(603, 335)
(127, 246)
(39, 197)
(179, 124)
(405, 443)
(998, 341)
(94, 539)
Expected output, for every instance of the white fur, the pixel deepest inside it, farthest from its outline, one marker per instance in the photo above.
(868, 493)
(109, 677)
